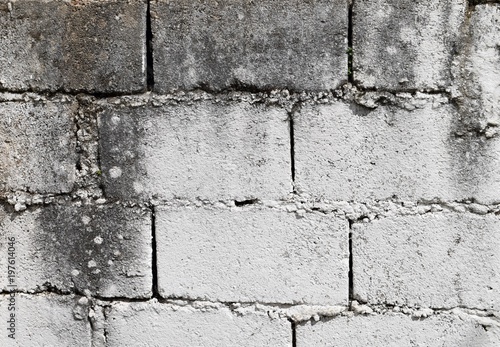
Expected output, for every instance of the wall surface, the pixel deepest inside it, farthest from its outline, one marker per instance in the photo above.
(249, 173)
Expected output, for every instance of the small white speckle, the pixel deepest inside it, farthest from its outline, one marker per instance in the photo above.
(110, 262)
(83, 301)
(92, 263)
(75, 272)
(98, 240)
(86, 220)
(115, 172)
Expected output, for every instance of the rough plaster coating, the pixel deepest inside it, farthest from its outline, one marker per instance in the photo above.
(47, 320)
(205, 150)
(417, 152)
(104, 251)
(252, 255)
(406, 44)
(435, 260)
(37, 152)
(154, 324)
(93, 46)
(396, 330)
(299, 45)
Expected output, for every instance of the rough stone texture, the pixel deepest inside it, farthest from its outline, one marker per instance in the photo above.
(89, 45)
(37, 151)
(439, 260)
(206, 149)
(406, 44)
(251, 255)
(477, 71)
(420, 152)
(103, 249)
(397, 330)
(154, 324)
(46, 320)
(299, 45)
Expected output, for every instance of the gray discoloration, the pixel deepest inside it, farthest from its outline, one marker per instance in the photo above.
(406, 44)
(37, 152)
(105, 250)
(299, 45)
(207, 150)
(92, 46)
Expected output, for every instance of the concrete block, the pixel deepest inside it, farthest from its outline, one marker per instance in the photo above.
(417, 153)
(44, 320)
(397, 330)
(299, 45)
(439, 260)
(89, 45)
(155, 324)
(249, 255)
(406, 44)
(37, 152)
(203, 150)
(105, 250)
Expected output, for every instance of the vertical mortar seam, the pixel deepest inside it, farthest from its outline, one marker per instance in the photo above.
(150, 79)
(154, 266)
(351, 270)
(350, 51)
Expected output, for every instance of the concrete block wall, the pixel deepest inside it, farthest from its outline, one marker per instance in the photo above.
(249, 173)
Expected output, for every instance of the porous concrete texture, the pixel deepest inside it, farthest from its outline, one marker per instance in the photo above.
(406, 44)
(155, 324)
(416, 149)
(81, 45)
(104, 251)
(298, 45)
(440, 260)
(45, 320)
(397, 330)
(252, 255)
(38, 147)
(206, 149)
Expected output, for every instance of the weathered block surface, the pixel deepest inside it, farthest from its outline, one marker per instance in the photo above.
(296, 44)
(103, 249)
(397, 330)
(414, 155)
(206, 149)
(154, 324)
(45, 320)
(91, 45)
(438, 260)
(252, 255)
(37, 151)
(406, 44)
(478, 72)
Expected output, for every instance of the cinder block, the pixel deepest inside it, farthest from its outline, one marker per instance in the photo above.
(397, 330)
(295, 44)
(412, 154)
(155, 324)
(37, 151)
(440, 260)
(406, 44)
(252, 255)
(103, 249)
(202, 150)
(85, 45)
(44, 320)
(478, 71)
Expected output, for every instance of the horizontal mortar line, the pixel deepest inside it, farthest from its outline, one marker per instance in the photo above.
(270, 93)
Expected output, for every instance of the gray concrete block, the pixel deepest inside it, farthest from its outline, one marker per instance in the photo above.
(90, 45)
(397, 330)
(440, 260)
(105, 250)
(44, 320)
(420, 152)
(252, 255)
(406, 44)
(155, 324)
(299, 45)
(203, 150)
(38, 148)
